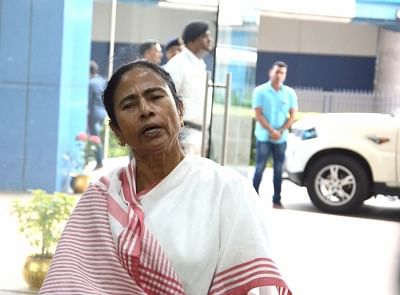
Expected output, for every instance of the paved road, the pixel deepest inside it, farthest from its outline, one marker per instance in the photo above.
(331, 254)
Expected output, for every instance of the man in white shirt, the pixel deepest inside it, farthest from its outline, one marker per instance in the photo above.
(188, 72)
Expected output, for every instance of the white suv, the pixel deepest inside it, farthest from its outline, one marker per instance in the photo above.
(344, 159)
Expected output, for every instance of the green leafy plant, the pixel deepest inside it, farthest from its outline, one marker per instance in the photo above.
(42, 219)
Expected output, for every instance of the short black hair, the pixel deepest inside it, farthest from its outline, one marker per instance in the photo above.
(280, 64)
(108, 95)
(146, 45)
(194, 30)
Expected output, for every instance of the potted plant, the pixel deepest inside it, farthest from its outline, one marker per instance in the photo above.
(86, 147)
(41, 220)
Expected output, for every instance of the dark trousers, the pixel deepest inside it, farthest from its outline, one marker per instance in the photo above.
(263, 152)
(94, 128)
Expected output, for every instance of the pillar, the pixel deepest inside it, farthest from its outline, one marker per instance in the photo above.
(387, 78)
(44, 62)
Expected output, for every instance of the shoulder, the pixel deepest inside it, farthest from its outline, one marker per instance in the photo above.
(261, 87)
(260, 94)
(107, 182)
(289, 90)
(96, 190)
(177, 68)
(99, 190)
(176, 62)
(261, 90)
(97, 81)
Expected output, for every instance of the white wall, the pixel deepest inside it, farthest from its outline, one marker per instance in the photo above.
(316, 37)
(136, 23)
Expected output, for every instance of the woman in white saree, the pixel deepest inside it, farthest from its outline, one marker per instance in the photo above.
(167, 223)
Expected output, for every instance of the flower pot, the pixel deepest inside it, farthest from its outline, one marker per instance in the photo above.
(79, 183)
(35, 271)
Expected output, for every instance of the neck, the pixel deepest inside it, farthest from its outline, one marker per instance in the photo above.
(152, 168)
(198, 52)
(276, 86)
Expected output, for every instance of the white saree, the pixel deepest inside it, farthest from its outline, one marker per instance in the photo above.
(199, 231)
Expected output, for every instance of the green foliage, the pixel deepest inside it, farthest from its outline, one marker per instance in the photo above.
(114, 149)
(42, 219)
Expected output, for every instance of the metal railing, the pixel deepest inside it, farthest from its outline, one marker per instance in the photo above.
(344, 101)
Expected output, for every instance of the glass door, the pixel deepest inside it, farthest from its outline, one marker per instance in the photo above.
(232, 116)
(120, 27)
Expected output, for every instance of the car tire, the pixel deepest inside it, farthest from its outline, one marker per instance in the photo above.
(337, 183)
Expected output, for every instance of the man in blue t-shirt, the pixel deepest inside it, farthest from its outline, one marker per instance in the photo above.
(275, 106)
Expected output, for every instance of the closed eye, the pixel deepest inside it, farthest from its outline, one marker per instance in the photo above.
(155, 92)
(157, 96)
(128, 105)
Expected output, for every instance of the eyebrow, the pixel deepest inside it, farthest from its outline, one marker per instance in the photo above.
(145, 92)
(153, 89)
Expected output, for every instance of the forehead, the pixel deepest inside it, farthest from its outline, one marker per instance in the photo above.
(278, 69)
(139, 78)
(141, 74)
(156, 47)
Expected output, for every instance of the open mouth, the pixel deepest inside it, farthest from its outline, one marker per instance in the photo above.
(151, 131)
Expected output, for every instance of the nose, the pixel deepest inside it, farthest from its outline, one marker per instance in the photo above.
(145, 108)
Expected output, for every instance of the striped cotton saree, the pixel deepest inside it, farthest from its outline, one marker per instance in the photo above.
(199, 231)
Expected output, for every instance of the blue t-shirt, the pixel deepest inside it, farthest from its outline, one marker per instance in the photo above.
(275, 106)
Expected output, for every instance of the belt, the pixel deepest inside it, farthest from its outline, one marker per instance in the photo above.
(192, 125)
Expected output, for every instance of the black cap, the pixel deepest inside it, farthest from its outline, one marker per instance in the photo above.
(193, 31)
(173, 42)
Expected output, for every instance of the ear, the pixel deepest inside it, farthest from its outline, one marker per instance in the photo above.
(117, 133)
(179, 107)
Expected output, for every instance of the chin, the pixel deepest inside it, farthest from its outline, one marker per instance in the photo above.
(158, 148)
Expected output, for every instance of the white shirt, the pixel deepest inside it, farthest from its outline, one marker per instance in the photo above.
(189, 75)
